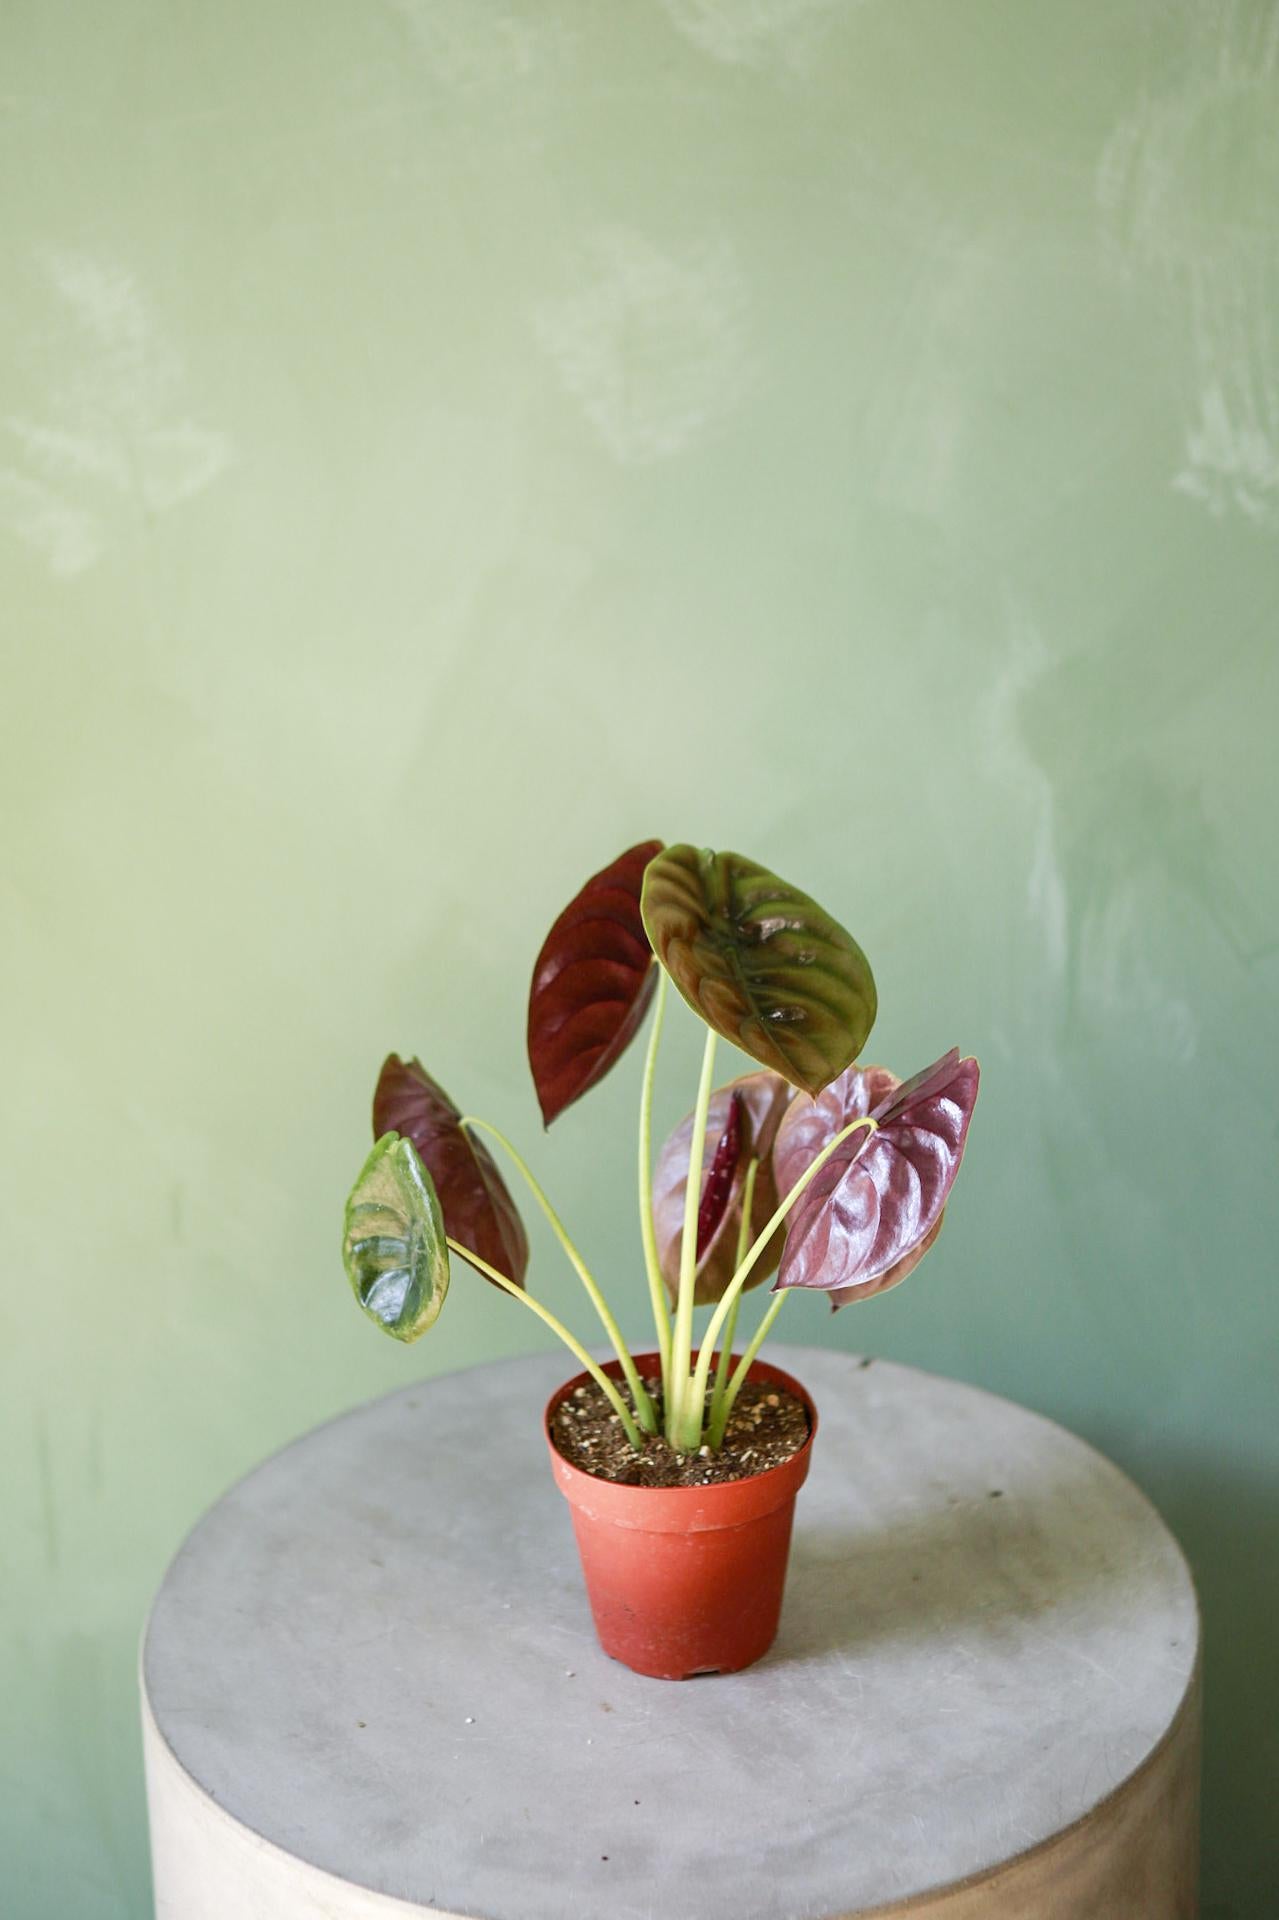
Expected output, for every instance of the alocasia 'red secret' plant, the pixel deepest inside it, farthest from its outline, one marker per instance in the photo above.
(825, 1174)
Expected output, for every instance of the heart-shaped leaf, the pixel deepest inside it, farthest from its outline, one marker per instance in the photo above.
(478, 1211)
(810, 1124)
(758, 1100)
(760, 962)
(393, 1245)
(870, 1214)
(844, 1296)
(592, 984)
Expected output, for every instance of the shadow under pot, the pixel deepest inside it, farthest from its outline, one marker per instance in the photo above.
(684, 1580)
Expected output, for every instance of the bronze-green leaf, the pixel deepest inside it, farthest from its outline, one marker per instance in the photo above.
(393, 1244)
(760, 962)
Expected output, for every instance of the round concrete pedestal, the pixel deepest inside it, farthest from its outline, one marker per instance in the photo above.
(371, 1688)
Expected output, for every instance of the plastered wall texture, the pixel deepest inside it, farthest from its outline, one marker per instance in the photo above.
(443, 443)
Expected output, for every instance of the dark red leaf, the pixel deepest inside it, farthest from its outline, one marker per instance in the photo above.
(591, 985)
(874, 1209)
(478, 1211)
(719, 1181)
(764, 1098)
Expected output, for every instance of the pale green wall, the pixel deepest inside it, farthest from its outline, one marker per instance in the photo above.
(441, 443)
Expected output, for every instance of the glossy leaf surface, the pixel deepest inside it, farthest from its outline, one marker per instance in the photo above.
(845, 1296)
(760, 962)
(478, 1211)
(592, 983)
(393, 1245)
(876, 1206)
(761, 1099)
(718, 1185)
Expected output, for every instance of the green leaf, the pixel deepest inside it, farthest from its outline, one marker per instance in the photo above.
(479, 1213)
(760, 962)
(393, 1245)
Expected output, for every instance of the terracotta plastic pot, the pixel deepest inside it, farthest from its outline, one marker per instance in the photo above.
(684, 1580)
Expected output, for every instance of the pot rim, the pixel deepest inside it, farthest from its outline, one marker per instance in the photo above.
(682, 1505)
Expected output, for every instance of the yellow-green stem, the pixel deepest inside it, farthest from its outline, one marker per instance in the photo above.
(643, 1405)
(721, 1409)
(558, 1328)
(648, 1232)
(725, 1356)
(697, 1395)
(678, 1409)
(730, 1325)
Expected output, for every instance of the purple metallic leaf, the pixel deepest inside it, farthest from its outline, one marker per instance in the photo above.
(920, 1086)
(809, 1124)
(763, 1099)
(844, 1296)
(876, 1206)
(591, 985)
(478, 1211)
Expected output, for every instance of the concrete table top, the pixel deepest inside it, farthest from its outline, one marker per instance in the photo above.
(378, 1663)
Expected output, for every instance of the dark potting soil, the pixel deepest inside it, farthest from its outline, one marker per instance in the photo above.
(767, 1426)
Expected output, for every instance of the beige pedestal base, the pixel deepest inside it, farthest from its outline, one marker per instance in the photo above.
(370, 1688)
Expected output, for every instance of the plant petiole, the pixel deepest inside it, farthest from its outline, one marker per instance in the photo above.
(679, 1406)
(722, 1407)
(730, 1325)
(557, 1327)
(648, 1233)
(739, 1279)
(643, 1404)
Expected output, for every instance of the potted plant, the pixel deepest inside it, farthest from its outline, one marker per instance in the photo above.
(681, 1466)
